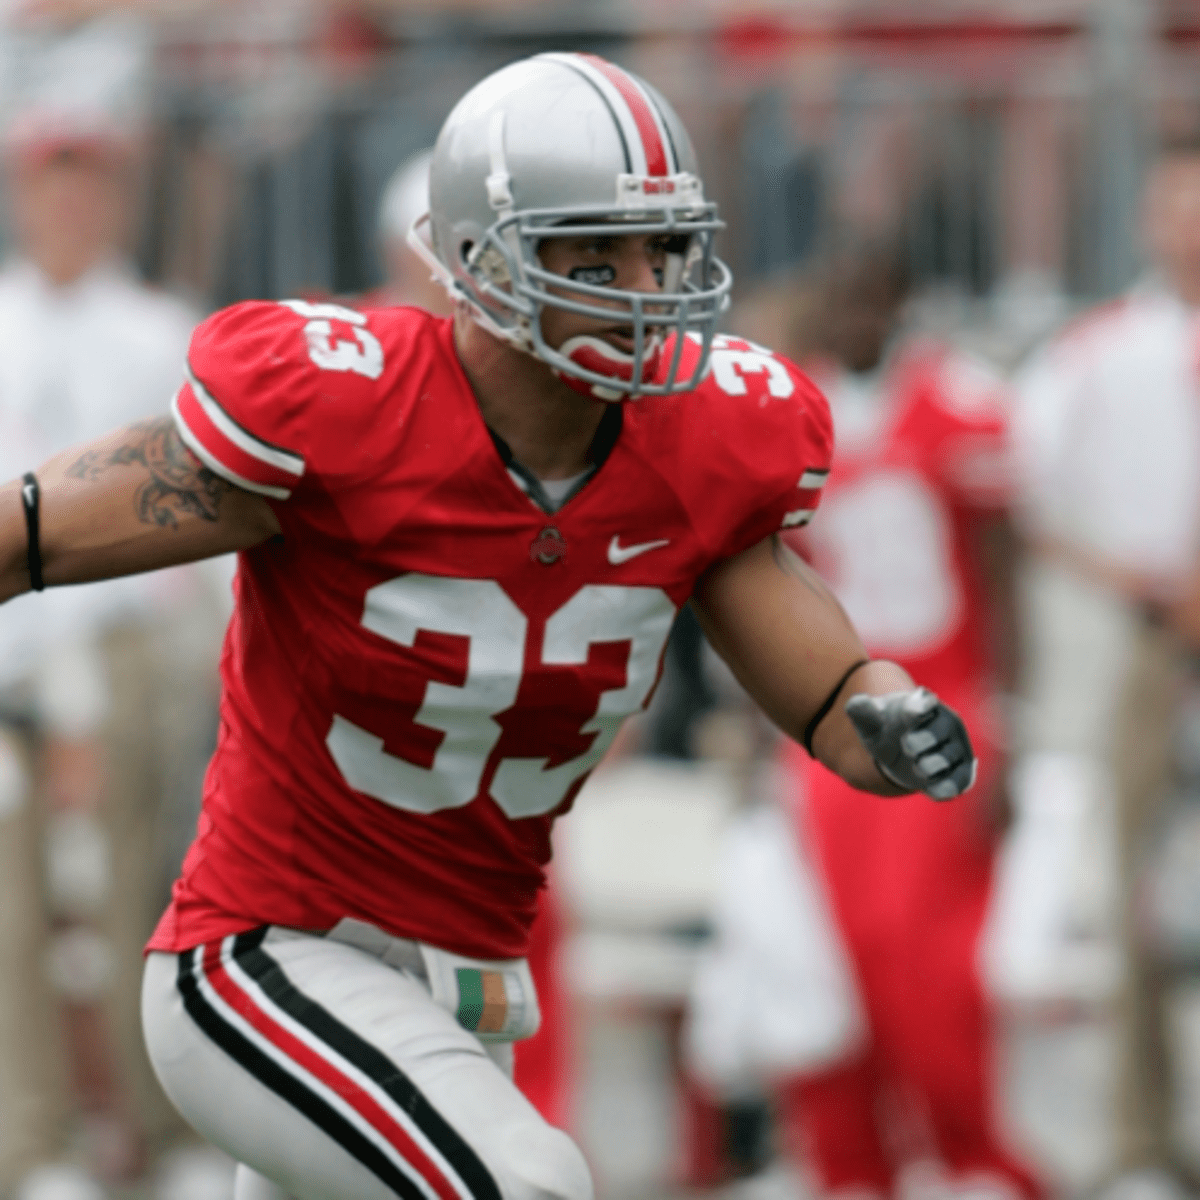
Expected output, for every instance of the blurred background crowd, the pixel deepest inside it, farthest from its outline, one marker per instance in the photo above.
(978, 228)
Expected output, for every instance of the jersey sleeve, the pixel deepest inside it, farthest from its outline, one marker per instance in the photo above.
(778, 441)
(258, 405)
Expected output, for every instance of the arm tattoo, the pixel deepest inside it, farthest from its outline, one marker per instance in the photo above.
(178, 484)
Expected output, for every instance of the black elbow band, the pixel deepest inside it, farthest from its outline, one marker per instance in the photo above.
(30, 494)
(811, 728)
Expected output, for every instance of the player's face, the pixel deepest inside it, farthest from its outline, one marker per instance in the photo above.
(629, 262)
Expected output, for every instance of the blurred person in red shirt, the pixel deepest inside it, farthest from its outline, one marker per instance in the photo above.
(915, 541)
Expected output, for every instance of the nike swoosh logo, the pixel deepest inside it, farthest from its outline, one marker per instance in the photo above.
(618, 554)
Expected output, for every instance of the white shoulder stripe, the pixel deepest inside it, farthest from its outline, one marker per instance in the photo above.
(215, 465)
(293, 464)
(813, 479)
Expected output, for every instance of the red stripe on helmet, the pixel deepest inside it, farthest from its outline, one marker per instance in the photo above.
(643, 115)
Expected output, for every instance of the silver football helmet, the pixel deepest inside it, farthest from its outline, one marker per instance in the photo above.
(569, 145)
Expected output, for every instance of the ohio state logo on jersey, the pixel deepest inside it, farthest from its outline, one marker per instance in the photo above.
(548, 547)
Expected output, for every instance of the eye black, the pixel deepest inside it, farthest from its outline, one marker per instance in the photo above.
(600, 276)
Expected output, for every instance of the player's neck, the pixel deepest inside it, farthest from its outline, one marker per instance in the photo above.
(548, 427)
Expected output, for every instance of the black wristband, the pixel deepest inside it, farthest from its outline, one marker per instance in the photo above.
(29, 499)
(811, 728)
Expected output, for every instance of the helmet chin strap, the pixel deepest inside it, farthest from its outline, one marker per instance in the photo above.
(601, 358)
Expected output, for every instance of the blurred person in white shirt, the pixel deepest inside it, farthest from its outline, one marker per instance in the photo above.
(96, 727)
(1108, 422)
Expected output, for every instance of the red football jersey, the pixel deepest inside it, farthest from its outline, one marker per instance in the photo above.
(923, 457)
(421, 672)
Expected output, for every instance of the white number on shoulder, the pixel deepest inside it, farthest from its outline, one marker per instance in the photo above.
(734, 358)
(363, 357)
(480, 610)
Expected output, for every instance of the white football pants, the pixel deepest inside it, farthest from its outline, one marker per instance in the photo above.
(337, 1077)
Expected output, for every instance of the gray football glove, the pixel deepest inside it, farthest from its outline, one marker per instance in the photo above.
(917, 742)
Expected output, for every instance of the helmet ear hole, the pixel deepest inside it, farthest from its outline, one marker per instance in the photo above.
(464, 251)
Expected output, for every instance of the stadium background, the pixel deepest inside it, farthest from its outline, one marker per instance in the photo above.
(1005, 138)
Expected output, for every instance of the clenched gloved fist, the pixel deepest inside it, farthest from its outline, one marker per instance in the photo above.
(917, 742)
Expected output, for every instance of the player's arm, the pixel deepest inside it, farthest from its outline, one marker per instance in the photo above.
(135, 500)
(792, 647)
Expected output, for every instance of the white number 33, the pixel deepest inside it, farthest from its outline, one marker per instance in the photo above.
(480, 610)
(363, 356)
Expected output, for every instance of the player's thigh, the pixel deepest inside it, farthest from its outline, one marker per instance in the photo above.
(336, 1076)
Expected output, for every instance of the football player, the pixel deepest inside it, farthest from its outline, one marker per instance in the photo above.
(461, 553)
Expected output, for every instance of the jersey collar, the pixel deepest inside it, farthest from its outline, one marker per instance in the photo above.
(603, 441)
